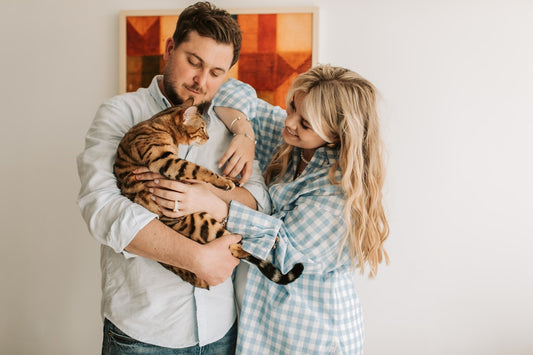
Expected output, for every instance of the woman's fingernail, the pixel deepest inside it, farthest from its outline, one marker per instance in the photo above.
(156, 181)
(153, 198)
(151, 190)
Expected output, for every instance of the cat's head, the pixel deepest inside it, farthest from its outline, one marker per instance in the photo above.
(192, 124)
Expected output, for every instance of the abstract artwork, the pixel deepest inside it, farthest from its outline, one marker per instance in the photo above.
(277, 45)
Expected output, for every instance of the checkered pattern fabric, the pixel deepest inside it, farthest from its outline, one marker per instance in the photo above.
(320, 312)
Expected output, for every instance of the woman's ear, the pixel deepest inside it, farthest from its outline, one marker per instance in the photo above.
(334, 143)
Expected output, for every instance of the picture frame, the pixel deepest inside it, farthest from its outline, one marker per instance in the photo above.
(277, 45)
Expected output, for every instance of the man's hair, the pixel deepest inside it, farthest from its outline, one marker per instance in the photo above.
(209, 21)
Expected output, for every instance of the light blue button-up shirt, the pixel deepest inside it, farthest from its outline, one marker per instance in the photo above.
(139, 296)
(319, 313)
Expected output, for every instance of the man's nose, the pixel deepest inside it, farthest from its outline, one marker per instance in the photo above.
(201, 78)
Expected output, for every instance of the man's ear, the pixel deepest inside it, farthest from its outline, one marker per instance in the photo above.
(169, 47)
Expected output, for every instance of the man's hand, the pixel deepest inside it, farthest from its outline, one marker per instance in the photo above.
(214, 262)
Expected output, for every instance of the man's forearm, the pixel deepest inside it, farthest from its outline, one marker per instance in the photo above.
(212, 262)
(158, 242)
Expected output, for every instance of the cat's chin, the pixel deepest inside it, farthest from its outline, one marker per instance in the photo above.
(197, 143)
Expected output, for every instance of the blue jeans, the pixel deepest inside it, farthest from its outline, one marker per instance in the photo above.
(117, 343)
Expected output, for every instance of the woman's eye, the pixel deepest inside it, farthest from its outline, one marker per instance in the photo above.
(293, 106)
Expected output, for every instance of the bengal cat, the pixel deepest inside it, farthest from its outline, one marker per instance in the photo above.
(154, 144)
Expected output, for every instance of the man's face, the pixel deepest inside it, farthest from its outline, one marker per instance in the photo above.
(196, 68)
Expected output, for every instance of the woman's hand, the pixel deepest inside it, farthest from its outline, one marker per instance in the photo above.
(181, 198)
(240, 154)
(239, 158)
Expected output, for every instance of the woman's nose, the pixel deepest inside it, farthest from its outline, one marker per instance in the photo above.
(290, 122)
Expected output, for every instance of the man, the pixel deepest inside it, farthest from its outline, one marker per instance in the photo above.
(146, 308)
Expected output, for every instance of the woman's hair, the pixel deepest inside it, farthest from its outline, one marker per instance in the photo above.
(209, 21)
(341, 109)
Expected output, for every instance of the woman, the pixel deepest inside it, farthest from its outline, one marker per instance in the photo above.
(325, 182)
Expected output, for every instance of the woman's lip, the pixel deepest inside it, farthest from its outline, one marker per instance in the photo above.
(291, 132)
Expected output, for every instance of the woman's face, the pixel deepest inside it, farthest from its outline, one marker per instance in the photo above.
(298, 131)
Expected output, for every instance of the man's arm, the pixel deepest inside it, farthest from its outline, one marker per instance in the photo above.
(211, 262)
(124, 226)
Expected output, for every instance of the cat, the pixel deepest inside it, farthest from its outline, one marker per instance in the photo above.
(154, 144)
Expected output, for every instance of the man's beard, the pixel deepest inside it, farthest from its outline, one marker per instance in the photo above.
(176, 100)
(171, 94)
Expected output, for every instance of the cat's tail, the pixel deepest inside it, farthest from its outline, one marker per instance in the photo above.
(275, 275)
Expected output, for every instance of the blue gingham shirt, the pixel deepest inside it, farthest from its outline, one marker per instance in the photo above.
(320, 312)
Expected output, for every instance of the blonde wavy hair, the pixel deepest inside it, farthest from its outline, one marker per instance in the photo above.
(341, 109)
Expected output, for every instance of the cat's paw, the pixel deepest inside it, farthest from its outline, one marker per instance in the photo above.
(229, 185)
(235, 181)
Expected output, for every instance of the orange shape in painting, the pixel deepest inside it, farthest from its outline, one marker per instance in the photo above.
(249, 26)
(275, 49)
(168, 26)
(143, 35)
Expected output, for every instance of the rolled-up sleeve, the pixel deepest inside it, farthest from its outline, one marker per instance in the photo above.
(112, 219)
(305, 234)
(261, 229)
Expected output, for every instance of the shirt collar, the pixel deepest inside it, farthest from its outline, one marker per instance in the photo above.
(157, 94)
(324, 156)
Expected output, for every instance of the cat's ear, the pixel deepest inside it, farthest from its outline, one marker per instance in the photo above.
(189, 113)
(189, 102)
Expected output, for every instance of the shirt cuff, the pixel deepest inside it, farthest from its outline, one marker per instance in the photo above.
(258, 230)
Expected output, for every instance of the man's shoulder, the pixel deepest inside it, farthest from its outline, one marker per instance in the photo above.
(128, 98)
(140, 104)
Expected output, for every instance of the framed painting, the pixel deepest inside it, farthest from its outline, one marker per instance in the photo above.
(277, 45)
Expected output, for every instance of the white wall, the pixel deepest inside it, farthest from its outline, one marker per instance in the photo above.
(457, 84)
